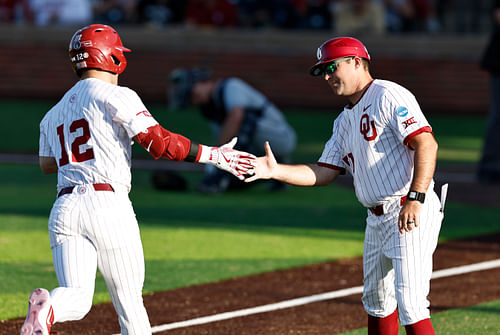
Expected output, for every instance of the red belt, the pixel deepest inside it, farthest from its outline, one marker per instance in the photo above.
(379, 210)
(97, 187)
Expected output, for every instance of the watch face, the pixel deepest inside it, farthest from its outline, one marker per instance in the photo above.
(414, 195)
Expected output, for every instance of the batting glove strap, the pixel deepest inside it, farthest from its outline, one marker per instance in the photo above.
(239, 163)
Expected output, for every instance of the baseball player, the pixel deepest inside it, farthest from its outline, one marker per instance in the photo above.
(233, 108)
(384, 141)
(86, 139)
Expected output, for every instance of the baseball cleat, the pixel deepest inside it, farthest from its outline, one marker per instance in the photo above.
(40, 315)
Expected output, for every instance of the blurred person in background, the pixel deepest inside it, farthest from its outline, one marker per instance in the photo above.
(285, 14)
(399, 15)
(467, 15)
(211, 13)
(233, 108)
(405, 16)
(489, 165)
(15, 11)
(318, 15)
(160, 13)
(353, 17)
(61, 12)
(254, 14)
(115, 11)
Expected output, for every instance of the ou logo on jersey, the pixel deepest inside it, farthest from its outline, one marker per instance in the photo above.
(367, 128)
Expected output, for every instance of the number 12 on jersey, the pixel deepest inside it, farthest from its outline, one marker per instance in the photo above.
(76, 155)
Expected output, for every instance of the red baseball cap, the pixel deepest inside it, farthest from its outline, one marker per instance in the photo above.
(336, 48)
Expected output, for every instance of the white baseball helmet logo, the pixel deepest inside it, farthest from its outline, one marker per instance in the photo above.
(318, 53)
(75, 42)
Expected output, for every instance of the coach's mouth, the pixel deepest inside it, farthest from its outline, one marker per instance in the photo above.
(334, 83)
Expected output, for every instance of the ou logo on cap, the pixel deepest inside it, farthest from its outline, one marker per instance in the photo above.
(318, 53)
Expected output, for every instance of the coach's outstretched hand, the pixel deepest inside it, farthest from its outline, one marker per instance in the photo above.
(239, 163)
(264, 166)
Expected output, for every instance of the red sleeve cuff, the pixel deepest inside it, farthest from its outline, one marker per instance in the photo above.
(408, 138)
(194, 153)
(197, 159)
(333, 167)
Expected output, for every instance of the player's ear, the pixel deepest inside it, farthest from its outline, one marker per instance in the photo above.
(358, 62)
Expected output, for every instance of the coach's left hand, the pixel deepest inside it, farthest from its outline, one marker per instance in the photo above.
(409, 216)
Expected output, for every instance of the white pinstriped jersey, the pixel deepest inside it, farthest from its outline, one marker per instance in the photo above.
(89, 133)
(369, 141)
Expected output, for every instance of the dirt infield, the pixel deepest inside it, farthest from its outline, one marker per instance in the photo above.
(326, 317)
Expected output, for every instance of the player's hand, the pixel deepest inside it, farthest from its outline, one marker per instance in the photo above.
(409, 216)
(264, 166)
(239, 163)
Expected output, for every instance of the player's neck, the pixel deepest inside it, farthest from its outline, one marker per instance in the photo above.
(108, 77)
(362, 87)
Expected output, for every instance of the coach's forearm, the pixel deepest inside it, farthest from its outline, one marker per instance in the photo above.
(304, 174)
(299, 175)
(425, 162)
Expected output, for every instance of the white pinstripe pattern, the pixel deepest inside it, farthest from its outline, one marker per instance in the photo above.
(368, 140)
(90, 229)
(383, 166)
(111, 112)
(98, 229)
(398, 267)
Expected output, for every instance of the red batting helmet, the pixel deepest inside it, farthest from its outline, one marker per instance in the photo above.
(336, 48)
(97, 46)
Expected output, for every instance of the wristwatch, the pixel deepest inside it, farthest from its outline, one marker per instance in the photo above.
(414, 195)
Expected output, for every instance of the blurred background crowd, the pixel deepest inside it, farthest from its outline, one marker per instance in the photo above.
(340, 16)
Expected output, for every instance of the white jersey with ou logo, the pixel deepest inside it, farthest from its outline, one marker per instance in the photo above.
(370, 141)
(89, 133)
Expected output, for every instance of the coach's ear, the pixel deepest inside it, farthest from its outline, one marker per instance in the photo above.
(48, 165)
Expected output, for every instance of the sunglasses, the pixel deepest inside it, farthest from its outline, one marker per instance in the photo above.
(333, 66)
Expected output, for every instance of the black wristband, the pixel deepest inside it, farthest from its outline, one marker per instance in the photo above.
(414, 195)
(193, 152)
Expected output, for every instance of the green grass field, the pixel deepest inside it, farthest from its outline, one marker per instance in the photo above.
(190, 238)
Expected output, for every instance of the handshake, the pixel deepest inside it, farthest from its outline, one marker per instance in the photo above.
(241, 164)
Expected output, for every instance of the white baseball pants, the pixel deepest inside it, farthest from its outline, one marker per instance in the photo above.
(398, 267)
(98, 229)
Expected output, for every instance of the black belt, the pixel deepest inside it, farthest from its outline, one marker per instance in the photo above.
(97, 187)
(379, 210)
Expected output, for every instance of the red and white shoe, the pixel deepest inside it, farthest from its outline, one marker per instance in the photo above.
(40, 315)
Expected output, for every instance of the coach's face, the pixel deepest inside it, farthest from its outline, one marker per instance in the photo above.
(344, 80)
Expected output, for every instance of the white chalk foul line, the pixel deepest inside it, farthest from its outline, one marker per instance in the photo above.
(261, 309)
(459, 270)
(315, 298)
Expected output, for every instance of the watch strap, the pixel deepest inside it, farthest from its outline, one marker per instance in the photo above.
(414, 195)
